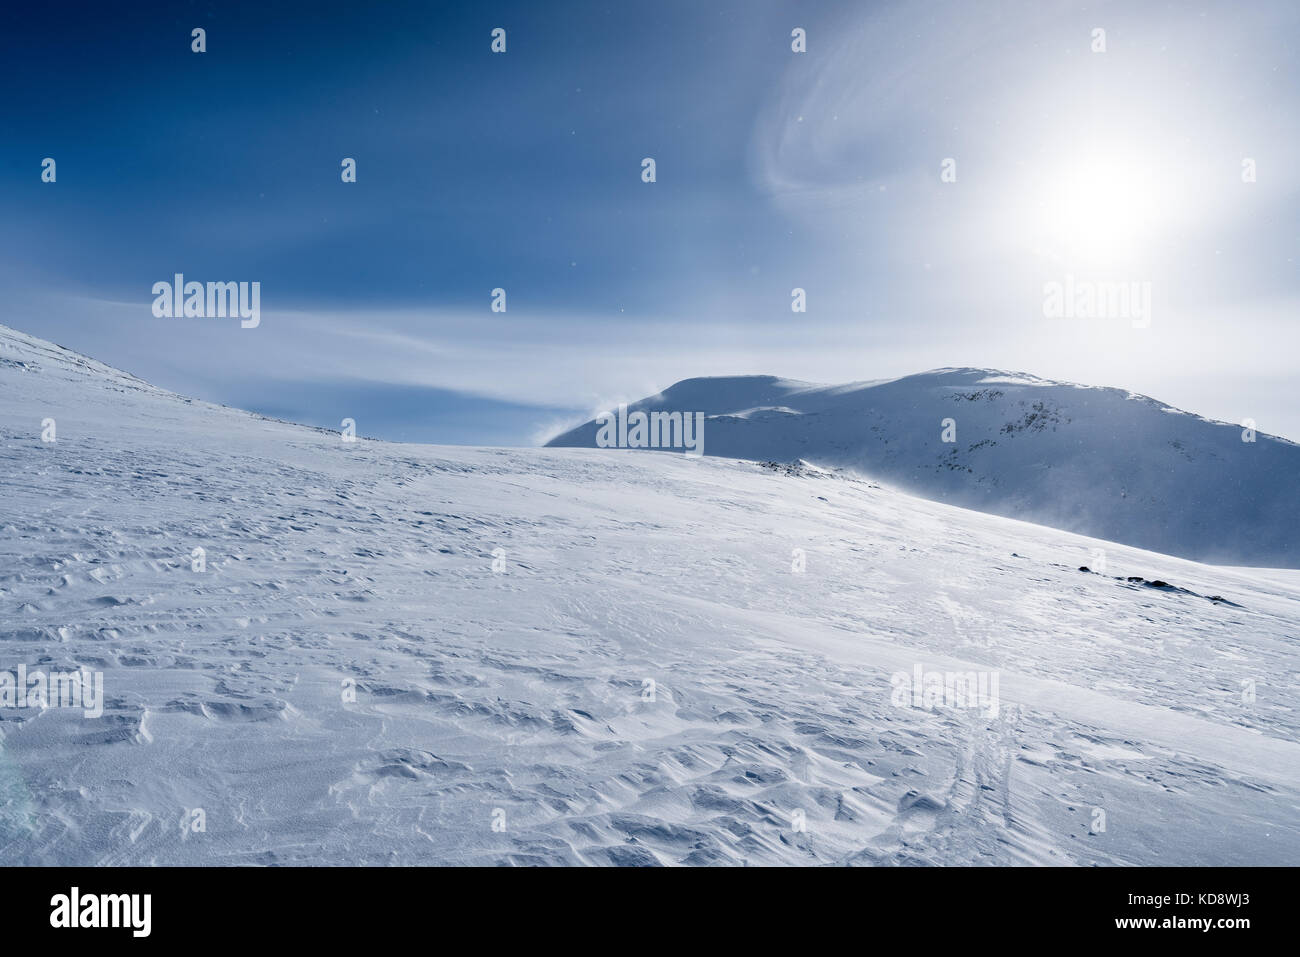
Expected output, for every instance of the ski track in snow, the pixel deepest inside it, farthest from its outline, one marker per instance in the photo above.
(523, 691)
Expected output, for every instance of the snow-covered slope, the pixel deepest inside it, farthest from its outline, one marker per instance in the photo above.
(1097, 461)
(645, 680)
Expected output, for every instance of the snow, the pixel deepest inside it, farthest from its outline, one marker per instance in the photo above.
(527, 691)
(1102, 462)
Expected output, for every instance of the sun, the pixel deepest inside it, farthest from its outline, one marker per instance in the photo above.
(1098, 210)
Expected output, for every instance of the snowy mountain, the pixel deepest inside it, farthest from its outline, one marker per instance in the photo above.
(1098, 461)
(400, 654)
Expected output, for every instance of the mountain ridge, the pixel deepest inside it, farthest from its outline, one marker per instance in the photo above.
(1095, 460)
(1098, 460)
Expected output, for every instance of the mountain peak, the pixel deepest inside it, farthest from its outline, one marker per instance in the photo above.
(1082, 458)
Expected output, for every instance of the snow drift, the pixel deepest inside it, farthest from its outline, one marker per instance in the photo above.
(400, 654)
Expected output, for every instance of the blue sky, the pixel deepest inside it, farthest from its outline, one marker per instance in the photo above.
(775, 169)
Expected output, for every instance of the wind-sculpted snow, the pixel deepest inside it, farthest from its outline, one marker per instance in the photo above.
(1101, 462)
(646, 678)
